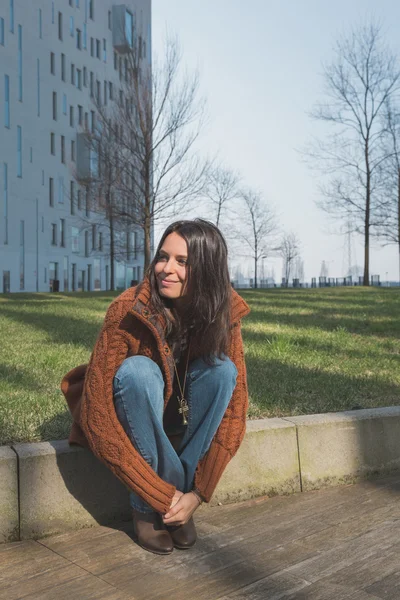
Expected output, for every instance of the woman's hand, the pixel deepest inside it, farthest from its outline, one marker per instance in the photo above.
(176, 498)
(180, 513)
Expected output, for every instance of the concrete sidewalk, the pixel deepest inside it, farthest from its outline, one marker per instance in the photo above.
(339, 542)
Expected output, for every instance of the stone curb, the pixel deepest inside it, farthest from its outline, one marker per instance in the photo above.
(50, 487)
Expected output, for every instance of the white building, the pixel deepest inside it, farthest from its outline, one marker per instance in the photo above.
(54, 55)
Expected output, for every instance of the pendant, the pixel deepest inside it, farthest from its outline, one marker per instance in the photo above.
(183, 410)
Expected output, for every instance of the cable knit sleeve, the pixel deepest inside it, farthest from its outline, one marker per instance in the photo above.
(232, 428)
(99, 422)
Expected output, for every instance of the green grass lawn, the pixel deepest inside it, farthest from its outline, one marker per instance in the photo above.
(307, 351)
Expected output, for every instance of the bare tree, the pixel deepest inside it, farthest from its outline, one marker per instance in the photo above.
(258, 228)
(388, 227)
(363, 77)
(221, 189)
(144, 142)
(289, 249)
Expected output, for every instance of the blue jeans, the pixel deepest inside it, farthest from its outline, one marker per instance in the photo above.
(138, 388)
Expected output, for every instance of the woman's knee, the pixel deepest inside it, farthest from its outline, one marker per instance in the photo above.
(138, 371)
(223, 371)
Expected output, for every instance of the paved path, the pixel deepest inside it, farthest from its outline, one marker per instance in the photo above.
(342, 542)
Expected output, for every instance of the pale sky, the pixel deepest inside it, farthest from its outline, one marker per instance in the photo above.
(260, 65)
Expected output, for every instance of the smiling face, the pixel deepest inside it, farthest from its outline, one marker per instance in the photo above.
(171, 267)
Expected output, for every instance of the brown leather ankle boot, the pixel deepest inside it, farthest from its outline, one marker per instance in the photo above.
(151, 533)
(183, 536)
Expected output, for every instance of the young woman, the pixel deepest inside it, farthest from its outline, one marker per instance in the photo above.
(163, 399)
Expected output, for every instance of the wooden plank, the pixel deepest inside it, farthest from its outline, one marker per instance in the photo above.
(313, 545)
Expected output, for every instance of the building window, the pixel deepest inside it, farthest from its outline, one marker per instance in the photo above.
(72, 74)
(19, 151)
(52, 63)
(40, 23)
(101, 241)
(61, 190)
(60, 26)
(75, 240)
(72, 196)
(71, 27)
(87, 202)
(22, 255)
(79, 39)
(7, 101)
(71, 116)
(64, 104)
(92, 121)
(84, 36)
(52, 143)
(129, 28)
(62, 232)
(105, 92)
(91, 46)
(85, 76)
(104, 50)
(109, 19)
(110, 90)
(115, 61)
(93, 237)
(12, 16)
(38, 86)
(71, 2)
(63, 149)
(79, 199)
(130, 244)
(1, 31)
(78, 79)
(63, 67)
(77, 3)
(86, 243)
(86, 121)
(73, 150)
(98, 92)
(52, 12)
(20, 63)
(55, 106)
(54, 234)
(93, 162)
(51, 191)
(98, 48)
(5, 201)
(91, 9)
(80, 114)
(91, 84)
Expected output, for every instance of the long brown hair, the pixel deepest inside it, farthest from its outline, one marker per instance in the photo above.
(207, 315)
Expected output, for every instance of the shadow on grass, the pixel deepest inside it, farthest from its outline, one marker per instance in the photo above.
(19, 378)
(321, 319)
(387, 351)
(60, 329)
(283, 390)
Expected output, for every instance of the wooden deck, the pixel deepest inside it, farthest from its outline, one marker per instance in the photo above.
(342, 542)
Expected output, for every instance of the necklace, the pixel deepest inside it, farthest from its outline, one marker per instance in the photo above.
(183, 405)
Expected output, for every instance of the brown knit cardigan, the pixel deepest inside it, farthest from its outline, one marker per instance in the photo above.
(130, 329)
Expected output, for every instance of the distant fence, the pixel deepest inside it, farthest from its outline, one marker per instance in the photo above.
(321, 282)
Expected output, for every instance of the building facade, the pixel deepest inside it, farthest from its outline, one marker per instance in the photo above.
(54, 57)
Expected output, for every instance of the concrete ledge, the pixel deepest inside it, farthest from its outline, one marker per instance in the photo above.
(344, 447)
(9, 518)
(64, 488)
(266, 463)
